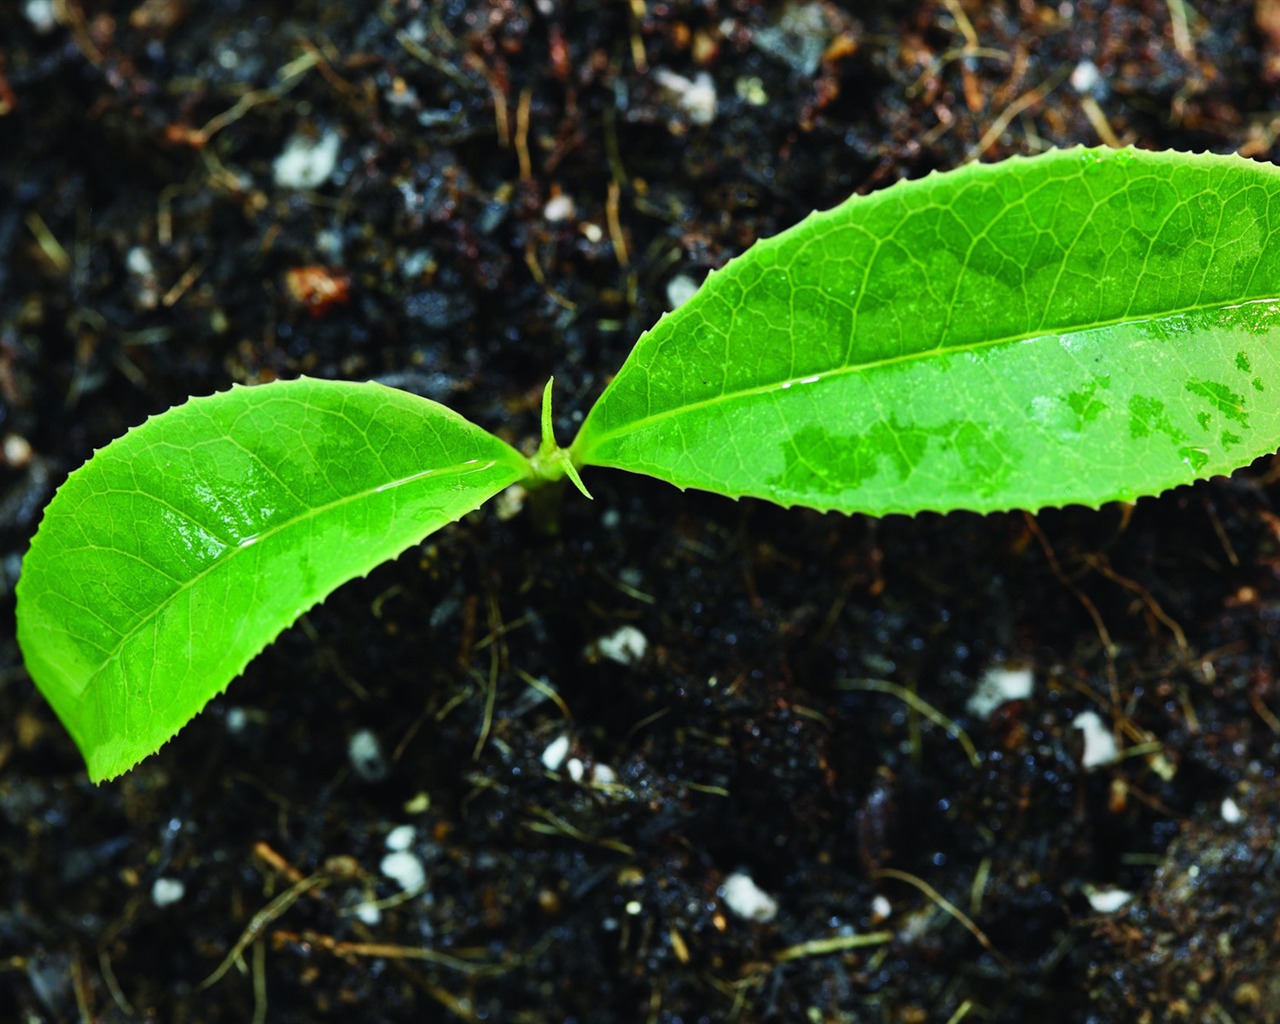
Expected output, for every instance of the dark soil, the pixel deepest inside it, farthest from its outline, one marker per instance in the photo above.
(147, 252)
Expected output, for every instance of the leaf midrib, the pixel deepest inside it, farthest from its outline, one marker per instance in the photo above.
(583, 458)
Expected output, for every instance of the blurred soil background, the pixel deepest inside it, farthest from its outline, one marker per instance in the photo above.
(455, 791)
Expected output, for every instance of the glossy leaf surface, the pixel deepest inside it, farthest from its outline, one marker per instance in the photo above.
(179, 551)
(1077, 327)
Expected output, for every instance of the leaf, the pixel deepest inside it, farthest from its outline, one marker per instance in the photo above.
(1077, 327)
(179, 551)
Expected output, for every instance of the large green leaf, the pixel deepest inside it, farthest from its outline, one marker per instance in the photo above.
(1077, 327)
(179, 551)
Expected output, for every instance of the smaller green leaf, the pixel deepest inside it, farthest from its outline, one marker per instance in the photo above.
(170, 559)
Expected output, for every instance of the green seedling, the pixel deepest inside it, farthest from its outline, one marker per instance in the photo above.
(1075, 328)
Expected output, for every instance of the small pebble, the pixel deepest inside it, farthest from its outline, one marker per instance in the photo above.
(138, 262)
(747, 900)
(17, 451)
(307, 162)
(625, 645)
(1107, 901)
(1086, 77)
(1099, 744)
(696, 97)
(364, 750)
(405, 870)
(680, 289)
(226, 57)
(1000, 685)
(236, 720)
(1231, 812)
(146, 286)
(557, 750)
(42, 14)
(165, 891)
(559, 207)
(401, 838)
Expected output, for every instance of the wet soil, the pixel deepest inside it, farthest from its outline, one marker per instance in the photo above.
(517, 189)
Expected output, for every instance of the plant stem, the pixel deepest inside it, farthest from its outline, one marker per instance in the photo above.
(551, 462)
